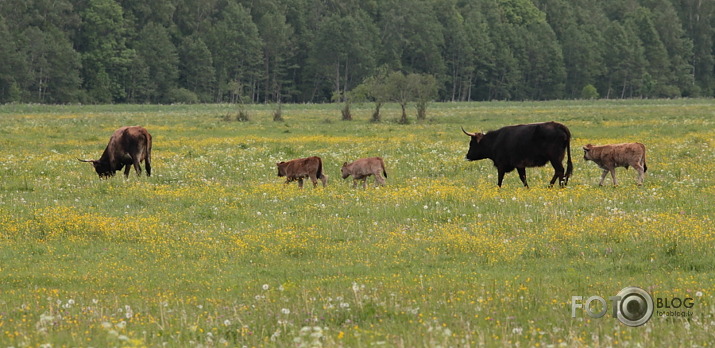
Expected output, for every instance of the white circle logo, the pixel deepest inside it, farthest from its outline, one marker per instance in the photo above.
(635, 307)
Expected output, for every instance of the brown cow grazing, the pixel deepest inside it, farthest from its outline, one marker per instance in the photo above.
(364, 167)
(297, 169)
(608, 157)
(127, 146)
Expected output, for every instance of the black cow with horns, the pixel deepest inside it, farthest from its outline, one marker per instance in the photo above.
(525, 145)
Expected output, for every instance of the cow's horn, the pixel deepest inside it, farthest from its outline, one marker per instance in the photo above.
(467, 133)
(81, 160)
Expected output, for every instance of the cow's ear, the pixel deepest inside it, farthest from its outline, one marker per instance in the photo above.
(345, 164)
(587, 147)
(479, 136)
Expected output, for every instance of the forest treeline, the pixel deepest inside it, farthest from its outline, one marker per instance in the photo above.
(295, 51)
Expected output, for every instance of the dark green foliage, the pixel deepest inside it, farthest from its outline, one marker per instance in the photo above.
(277, 51)
(154, 46)
(106, 59)
(625, 62)
(197, 73)
(11, 64)
(52, 74)
(343, 52)
(235, 47)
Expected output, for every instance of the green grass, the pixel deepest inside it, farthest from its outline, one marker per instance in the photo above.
(214, 249)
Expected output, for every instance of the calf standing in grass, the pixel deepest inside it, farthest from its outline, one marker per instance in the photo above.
(363, 168)
(297, 169)
(608, 157)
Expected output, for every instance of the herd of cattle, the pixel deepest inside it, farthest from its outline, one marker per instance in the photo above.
(512, 147)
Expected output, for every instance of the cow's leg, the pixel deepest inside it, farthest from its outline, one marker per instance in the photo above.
(613, 176)
(522, 175)
(126, 171)
(314, 180)
(641, 173)
(603, 177)
(364, 182)
(558, 173)
(300, 182)
(324, 180)
(500, 176)
(137, 167)
(356, 178)
(379, 180)
(147, 166)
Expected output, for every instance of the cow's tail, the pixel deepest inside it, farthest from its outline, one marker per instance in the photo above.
(148, 148)
(569, 164)
(319, 173)
(645, 167)
(384, 171)
(147, 160)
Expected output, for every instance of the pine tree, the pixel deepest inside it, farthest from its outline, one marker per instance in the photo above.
(155, 48)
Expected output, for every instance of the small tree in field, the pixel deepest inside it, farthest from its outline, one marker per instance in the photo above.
(399, 88)
(238, 97)
(423, 88)
(278, 106)
(399, 91)
(589, 92)
(278, 112)
(346, 98)
(376, 90)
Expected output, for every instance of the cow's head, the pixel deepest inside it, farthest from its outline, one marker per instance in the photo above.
(587, 152)
(281, 169)
(103, 169)
(476, 149)
(345, 171)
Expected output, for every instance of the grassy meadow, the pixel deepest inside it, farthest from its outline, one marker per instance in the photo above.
(213, 250)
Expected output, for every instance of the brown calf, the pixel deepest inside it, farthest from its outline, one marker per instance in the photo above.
(297, 169)
(364, 167)
(608, 157)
